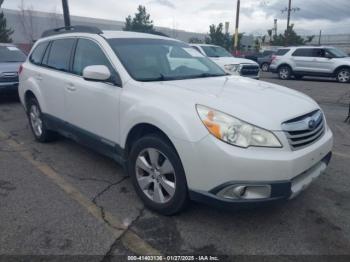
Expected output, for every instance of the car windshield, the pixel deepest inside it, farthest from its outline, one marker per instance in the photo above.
(11, 54)
(162, 60)
(337, 52)
(215, 51)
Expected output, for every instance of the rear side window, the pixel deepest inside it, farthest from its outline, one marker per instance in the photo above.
(60, 54)
(304, 52)
(37, 55)
(282, 52)
(88, 53)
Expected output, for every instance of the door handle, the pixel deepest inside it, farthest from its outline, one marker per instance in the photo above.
(71, 87)
(39, 77)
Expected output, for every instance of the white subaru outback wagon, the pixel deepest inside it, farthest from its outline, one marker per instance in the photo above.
(181, 126)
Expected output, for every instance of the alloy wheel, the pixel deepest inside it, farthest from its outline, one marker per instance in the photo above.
(265, 67)
(344, 76)
(284, 73)
(35, 120)
(155, 175)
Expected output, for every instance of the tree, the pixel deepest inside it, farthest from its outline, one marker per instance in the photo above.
(26, 19)
(141, 22)
(290, 37)
(216, 36)
(5, 33)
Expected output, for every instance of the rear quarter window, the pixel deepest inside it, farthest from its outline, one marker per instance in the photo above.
(282, 52)
(38, 53)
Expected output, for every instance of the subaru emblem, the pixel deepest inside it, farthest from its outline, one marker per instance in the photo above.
(312, 124)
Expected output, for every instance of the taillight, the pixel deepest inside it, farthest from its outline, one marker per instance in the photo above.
(20, 69)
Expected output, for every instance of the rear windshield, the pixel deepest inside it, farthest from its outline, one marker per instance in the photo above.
(282, 52)
(10, 54)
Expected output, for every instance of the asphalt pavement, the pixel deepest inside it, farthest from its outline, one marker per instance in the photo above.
(64, 199)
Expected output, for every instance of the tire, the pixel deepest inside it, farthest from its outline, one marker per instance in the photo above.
(37, 123)
(298, 77)
(343, 75)
(162, 191)
(265, 67)
(284, 72)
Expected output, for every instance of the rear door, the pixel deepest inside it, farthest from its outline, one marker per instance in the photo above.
(53, 75)
(90, 105)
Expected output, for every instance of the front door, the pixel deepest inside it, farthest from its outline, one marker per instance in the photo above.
(92, 107)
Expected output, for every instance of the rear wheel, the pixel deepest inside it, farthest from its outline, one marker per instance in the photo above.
(265, 67)
(157, 175)
(343, 75)
(284, 72)
(37, 123)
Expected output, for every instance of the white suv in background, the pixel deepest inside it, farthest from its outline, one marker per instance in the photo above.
(232, 65)
(180, 125)
(320, 61)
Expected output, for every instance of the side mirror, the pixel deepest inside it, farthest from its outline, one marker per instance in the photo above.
(329, 56)
(96, 73)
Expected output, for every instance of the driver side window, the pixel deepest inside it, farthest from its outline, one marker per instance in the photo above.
(88, 53)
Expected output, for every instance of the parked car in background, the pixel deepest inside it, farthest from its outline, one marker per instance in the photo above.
(229, 63)
(182, 127)
(321, 61)
(264, 59)
(10, 60)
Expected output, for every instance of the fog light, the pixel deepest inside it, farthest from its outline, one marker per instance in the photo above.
(245, 192)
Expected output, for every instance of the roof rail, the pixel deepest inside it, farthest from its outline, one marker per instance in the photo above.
(72, 29)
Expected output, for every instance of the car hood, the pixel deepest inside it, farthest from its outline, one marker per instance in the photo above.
(260, 103)
(9, 67)
(232, 60)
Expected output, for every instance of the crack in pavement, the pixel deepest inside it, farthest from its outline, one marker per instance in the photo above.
(103, 213)
(109, 254)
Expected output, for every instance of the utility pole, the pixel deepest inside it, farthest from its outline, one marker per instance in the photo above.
(237, 26)
(288, 20)
(66, 13)
(289, 9)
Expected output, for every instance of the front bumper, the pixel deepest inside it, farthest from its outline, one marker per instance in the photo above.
(280, 190)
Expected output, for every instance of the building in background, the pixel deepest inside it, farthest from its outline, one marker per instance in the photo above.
(28, 26)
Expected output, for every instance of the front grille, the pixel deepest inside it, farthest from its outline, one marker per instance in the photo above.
(250, 70)
(304, 130)
(8, 77)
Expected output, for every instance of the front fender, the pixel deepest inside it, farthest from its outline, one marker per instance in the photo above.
(175, 123)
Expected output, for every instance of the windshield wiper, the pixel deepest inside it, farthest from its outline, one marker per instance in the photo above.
(161, 77)
(204, 75)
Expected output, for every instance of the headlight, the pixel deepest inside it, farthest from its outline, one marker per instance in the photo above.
(235, 131)
(233, 68)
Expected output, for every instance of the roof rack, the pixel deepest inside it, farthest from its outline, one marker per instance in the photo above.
(72, 29)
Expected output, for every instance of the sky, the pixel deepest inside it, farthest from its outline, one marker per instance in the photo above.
(257, 16)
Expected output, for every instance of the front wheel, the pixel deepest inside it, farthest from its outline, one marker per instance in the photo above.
(157, 175)
(284, 72)
(343, 75)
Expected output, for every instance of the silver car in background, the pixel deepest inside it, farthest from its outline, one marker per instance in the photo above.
(11, 59)
(321, 61)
